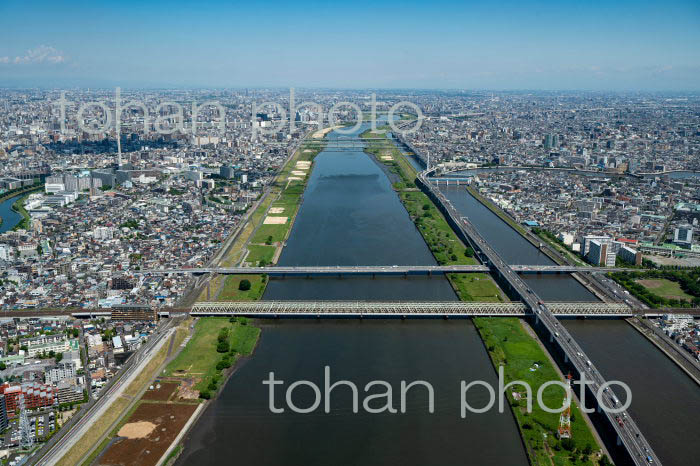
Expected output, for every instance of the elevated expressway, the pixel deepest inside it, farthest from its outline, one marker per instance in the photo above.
(546, 323)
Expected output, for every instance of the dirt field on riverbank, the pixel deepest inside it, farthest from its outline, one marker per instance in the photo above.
(141, 444)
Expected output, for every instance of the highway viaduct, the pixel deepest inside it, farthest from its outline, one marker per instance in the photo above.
(630, 445)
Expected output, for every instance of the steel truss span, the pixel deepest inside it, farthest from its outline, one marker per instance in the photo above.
(436, 309)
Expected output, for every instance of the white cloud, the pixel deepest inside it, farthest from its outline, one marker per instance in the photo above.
(37, 55)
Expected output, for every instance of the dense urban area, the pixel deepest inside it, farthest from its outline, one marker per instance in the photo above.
(606, 179)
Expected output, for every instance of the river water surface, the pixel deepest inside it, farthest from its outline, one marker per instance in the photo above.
(666, 402)
(10, 218)
(351, 216)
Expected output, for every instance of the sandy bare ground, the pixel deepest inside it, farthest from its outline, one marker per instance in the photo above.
(270, 220)
(276, 210)
(298, 173)
(135, 430)
(684, 261)
(303, 165)
(294, 178)
(387, 157)
(324, 131)
(306, 151)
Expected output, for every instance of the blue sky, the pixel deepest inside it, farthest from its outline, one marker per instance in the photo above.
(627, 45)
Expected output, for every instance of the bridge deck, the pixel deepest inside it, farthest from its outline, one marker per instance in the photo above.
(385, 270)
(399, 308)
(628, 433)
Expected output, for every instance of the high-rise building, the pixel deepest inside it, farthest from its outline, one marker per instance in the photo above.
(601, 254)
(589, 238)
(106, 176)
(227, 171)
(683, 236)
(548, 141)
(70, 182)
(629, 255)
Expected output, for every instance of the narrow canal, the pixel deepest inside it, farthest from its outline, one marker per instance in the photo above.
(351, 215)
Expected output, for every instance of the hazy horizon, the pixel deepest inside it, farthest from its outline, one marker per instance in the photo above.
(447, 45)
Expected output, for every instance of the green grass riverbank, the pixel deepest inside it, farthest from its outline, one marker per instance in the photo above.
(442, 241)
(510, 345)
(508, 342)
(18, 205)
(259, 243)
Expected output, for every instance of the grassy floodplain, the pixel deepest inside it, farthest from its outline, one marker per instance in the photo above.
(201, 357)
(18, 207)
(507, 341)
(260, 243)
(509, 345)
(443, 242)
(231, 291)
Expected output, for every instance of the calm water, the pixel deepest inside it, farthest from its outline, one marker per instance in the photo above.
(665, 401)
(239, 429)
(10, 218)
(350, 215)
(515, 249)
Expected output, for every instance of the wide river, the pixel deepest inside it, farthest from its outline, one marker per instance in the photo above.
(10, 218)
(351, 216)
